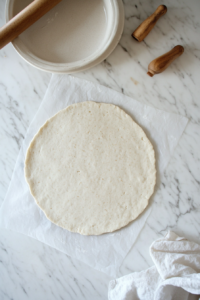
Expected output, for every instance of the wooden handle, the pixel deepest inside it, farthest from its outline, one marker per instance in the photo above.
(25, 19)
(143, 30)
(161, 63)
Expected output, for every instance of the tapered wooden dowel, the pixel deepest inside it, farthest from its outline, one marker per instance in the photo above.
(143, 30)
(161, 63)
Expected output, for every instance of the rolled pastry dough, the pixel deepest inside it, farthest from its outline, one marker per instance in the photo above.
(91, 168)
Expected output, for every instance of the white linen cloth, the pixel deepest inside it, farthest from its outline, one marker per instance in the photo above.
(19, 211)
(176, 274)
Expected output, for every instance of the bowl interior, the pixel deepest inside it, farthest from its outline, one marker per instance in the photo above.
(72, 33)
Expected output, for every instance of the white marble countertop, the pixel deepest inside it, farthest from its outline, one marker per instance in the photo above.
(32, 270)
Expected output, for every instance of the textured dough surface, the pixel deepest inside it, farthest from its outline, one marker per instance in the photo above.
(91, 168)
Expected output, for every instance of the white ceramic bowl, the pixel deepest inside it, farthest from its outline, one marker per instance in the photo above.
(74, 36)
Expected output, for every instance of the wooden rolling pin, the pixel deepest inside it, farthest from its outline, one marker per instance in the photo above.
(143, 30)
(161, 63)
(24, 19)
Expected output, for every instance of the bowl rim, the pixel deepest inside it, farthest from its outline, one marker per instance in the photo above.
(117, 24)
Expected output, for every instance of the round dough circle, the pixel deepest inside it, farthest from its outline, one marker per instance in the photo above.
(91, 168)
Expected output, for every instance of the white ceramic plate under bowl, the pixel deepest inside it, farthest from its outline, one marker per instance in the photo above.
(75, 35)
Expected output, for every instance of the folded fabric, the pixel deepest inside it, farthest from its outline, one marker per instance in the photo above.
(176, 274)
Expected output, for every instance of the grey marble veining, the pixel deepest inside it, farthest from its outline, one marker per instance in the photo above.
(32, 270)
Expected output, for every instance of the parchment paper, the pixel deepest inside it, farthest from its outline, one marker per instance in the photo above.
(19, 211)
